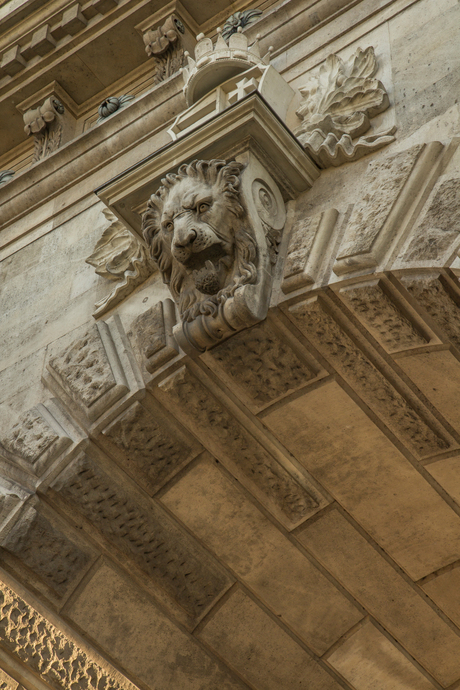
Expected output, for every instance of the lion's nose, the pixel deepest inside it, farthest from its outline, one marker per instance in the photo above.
(184, 238)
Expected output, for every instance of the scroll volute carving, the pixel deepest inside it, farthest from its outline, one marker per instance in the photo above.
(213, 229)
(45, 124)
(164, 44)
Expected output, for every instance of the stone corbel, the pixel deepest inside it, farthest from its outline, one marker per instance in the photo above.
(167, 35)
(50, 117)
(213, 224)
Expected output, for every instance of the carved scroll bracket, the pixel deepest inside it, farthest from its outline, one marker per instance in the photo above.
(167, 34)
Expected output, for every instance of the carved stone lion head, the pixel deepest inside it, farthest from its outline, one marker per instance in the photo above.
(200, 236)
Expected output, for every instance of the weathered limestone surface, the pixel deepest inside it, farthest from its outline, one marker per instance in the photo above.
(292, 587)
(283, 510)
(393, 502)
(150, 646)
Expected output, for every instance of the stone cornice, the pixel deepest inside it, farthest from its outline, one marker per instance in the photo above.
(224, 135)
(87, 153)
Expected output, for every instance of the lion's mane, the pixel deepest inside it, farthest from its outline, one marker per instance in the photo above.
(226, 176)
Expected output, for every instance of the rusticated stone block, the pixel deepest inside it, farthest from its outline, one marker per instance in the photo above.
(368, 381)
(143, 531)
(369, 654)
(57, 660)
(49, 553)
(240, 451)
(438, 226)
(33, 442)
(85, 368)
(88, 374)
(262, 652)
(354, 460)
(150, 448)
(386, 595)
(226, 521)
(383, 317)
(262, 363)
(441, 303)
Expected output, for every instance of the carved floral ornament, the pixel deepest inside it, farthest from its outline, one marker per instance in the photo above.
(337, 107)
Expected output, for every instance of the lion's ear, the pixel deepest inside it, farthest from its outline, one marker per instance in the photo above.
(151, 219)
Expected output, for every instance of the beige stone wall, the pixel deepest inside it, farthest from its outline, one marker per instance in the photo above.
(282, 511)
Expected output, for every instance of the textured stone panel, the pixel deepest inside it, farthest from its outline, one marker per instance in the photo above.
(47, 551)
(383, 317)
(385, 594)
(431, 293)
(360, 467)
(300, 244)
(253, 644)
(439, 226)
(151, 450)
(365, 378)
(262, 364)
(85, 368)
(34, 641)
(217, 428)
(437, 374)
(30, 436)
(143, 531)
(382, 185)
(258, 553)
(127, 625)
(368, 660)
(151, 335)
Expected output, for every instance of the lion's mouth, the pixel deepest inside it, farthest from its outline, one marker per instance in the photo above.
(209, 268)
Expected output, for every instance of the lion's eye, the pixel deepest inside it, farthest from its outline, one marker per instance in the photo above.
(203, 207)
(169, 226)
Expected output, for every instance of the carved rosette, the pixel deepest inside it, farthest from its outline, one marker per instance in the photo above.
(214, 248)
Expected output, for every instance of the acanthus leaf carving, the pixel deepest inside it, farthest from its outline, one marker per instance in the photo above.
(120, 256)
(44, 123)
(205, 246)
(239, 20)
(337, 107)
(164, 45)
